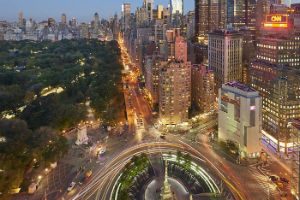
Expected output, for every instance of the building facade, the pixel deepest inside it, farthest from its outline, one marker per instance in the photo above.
(295, 181)
(174, 92)
(225, 50)
(275, 73)
(152, 70)
(126, 15)
(203, 88)
(177, 6)
(208, 17)
(279, 88)
(239, 117)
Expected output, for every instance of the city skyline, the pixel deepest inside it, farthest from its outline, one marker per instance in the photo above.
(39, 10)
(172, 99)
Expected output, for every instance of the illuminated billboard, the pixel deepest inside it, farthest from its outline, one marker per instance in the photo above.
(276, 21)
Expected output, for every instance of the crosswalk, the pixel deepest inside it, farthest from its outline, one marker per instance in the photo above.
(261, 175)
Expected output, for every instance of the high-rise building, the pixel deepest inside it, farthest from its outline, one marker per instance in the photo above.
(167, 15)
(225, 56)
(51, 22)
(177, 6)
(181, 49)
(73, 22)
(21, 19)
(295, 181)
(141, 17)
(279, 87)
(115, 27)
(160, 10)
(84, 31)
(241, 13)
(207, 18)
(278, 9)
(29, 26)
(240, 107)
(203, 84)
(250, 15)
(174, 92)
(152, 69)
(190, 23)
(63, 19)
(295, 16)
(262, 10)
(171, 36)
(126, 15)
(177, 12)
(148, 5)
(279, 50)
(236, 15)
(96, 21)
(275, 73)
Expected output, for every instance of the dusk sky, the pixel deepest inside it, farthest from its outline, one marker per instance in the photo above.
(81, 9)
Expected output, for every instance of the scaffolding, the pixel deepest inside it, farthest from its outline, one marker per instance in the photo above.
(295, 183)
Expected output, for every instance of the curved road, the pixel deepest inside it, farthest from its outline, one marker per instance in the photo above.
(100, 187)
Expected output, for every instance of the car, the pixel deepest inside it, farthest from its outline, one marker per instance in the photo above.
(162, 136)
(71, 186)
(279, 185)
(88, 173)
(102, 151)
(284, 180)
(274, 178)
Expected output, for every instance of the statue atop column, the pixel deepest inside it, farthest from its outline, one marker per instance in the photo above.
(166, 192)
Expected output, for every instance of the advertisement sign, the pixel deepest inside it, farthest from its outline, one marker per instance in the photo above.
(276, 21)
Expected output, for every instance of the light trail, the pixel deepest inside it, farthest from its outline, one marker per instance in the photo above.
(103, 181)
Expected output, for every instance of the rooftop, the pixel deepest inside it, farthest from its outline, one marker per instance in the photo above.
(226, 32)
(240, 86)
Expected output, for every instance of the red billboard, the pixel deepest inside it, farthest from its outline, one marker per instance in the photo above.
(276, 21)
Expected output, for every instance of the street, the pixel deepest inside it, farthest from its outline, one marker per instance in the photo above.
(245, 182)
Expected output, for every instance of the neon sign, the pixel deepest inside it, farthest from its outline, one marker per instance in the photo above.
(276, 21)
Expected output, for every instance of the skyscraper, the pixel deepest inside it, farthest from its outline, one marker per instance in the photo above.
(295, 181)
(250, 17)
(170, 39)
(225, 56)
(160, 9)
(241, 13)
(201, 19)
(181, 49)
(262, 9)
(190, 29)
(203, 84)
(126, 14)
(96, 22)
(275, 74)
(174, 92)
(115, 27)
(96, 18)
(74, 22)
(152, 70)
(148, 5)
(176, 6)
(64, 19)
(21, 19)
(208, 15)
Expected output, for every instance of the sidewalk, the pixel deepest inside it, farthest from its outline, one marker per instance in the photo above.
(218, 150)
(278, 158)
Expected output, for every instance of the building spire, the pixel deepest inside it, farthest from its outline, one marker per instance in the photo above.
(166, 193)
